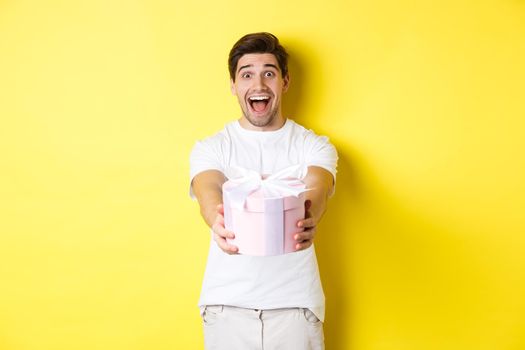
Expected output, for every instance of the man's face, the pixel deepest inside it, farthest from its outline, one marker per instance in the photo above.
(259, 86)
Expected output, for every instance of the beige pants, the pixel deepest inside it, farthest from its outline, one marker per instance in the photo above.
(234, 328)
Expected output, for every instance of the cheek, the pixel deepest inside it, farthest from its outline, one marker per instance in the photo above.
(277, 86)
(277, 90)
(241, 90)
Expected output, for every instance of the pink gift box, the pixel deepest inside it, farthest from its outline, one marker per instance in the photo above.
(265, 225)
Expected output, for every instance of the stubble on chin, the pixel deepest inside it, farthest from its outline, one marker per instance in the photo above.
(261, 123)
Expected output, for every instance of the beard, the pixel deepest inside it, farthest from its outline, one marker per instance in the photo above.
(261, 121)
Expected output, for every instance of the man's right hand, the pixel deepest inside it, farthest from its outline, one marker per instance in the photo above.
(207, 187)
(220, 234)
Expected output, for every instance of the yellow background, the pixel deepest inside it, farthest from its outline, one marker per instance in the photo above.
(422, 246)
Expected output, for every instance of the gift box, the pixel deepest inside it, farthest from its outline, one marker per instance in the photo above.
(263, 211)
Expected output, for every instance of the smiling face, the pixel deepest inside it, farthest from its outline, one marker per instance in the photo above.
(259, 86)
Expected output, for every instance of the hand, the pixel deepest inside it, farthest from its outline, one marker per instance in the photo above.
(305, 239)
(220, 233)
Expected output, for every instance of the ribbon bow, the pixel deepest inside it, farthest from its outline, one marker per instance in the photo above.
(283, 183)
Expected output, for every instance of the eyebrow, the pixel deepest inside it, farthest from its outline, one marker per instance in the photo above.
(251, 65)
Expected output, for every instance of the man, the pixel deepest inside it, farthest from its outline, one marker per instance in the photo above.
(271, 302)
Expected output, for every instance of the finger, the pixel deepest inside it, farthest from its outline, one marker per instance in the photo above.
(219, 222)
(223, 244)
(228, 234)
(218, 228)
(304, 236)
(230, 249)
(219, 219)
(220, 209)
(308, 222)
(307, 204)
(303, 245)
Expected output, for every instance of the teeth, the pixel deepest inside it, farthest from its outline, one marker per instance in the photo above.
(259, 98)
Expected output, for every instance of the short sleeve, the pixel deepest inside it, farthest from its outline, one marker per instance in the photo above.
(320, 152)
(204, 156)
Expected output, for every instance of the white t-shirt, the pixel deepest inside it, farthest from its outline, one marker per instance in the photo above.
(269, 282)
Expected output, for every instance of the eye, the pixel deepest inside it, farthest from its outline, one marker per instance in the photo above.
(268, 74)
(246, 75)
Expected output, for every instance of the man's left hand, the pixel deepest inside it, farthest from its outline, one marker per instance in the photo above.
(305, 239)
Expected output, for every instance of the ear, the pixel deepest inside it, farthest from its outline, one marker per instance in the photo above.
(232, 86)
(286, 82)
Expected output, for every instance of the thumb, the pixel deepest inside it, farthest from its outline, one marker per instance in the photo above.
(307, 204)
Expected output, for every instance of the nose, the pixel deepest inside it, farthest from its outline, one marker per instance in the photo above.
(258, 82)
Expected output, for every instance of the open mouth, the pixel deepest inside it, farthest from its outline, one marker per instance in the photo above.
(259, 103)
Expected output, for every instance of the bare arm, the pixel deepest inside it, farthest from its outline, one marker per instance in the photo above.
(207, 187)
(321, 184)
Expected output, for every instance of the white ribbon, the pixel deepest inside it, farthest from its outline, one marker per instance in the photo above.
(283, 183)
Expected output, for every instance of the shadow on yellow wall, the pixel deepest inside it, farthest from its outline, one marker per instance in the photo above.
(390, 266)
(335, 232)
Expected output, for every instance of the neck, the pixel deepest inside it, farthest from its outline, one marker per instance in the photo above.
(274, 125)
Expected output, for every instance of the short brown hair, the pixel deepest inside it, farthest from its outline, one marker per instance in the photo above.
(262, 42)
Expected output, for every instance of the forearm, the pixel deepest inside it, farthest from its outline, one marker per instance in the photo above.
(208, 206)
(207, 187)
(321, 184)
